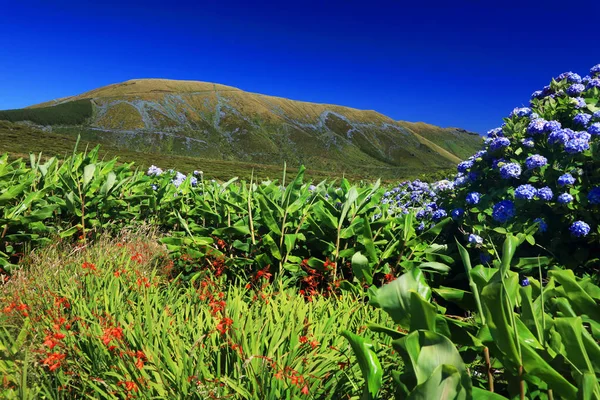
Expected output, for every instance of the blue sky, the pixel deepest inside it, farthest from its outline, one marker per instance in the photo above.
(459, 63)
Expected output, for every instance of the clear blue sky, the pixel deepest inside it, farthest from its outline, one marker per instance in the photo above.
(464, 64)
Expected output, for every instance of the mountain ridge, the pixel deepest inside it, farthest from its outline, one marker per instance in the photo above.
(214, 121)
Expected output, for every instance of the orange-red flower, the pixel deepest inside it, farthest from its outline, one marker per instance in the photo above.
(304, 390)
(224, 325)
(53, 360)
(112, 333)
(90, 266)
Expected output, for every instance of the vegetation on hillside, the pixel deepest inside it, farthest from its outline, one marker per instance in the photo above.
(72, 113)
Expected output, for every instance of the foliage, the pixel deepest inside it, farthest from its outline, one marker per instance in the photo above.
(107, 323)
(72, 113)
(552, 150)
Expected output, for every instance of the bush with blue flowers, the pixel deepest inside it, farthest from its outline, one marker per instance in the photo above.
(538, 174)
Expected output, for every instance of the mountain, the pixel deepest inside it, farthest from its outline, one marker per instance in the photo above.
(212, 121)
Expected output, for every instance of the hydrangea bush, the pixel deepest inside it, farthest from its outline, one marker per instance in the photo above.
(538, 173)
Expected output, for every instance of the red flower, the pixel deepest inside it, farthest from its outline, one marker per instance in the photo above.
(303, 339)
(304, 390)
(137, 257)
(130, 386)
(314, 344)
(224, 325)
(53, 360)
(110, 334)
(90, 266)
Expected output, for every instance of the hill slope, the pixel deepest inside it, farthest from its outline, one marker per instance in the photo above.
(214, 121)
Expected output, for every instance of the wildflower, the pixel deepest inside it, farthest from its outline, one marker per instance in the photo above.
(536, 126)
(112, 333)
(521, 112)
(457, 213)
(579, 229)
(525, 282)
(224, 325)
(525, 192)
(503, 211)
(314, 344)
(535, 161)
(559, 136)
(529, 143)
(575, 89)
(593, 83)
(566, 179)
(53, 360)
(537, 94)
(582, 119)
(130, 386)
(90, 266)
(473, 198)
(570, 77)
(542, 225)
(510, 170)
(154, 171)
(499, 143)
(475, 239)
(579, 102)
(577, 145)
(596, 115)
(304, 390)
(595, 70)
(545, 194)
(494, 133)
(303, 339)
(594, 195)
(439, 214)
(565, 198)
(178, 179)
(465, 165)
(552, 126)
(594, 129)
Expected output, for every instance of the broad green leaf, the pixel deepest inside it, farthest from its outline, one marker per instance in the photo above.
(443, 383)
(361, 269)
(369, 364)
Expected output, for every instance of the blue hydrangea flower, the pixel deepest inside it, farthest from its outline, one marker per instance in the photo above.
(521, 112)
(535, 161)
(443, 185)
(575, 89)
(198, 173)
(497, 161)
(154, 186)
(537, 94)
(460, 180)
(178, 179)
(570, 77)
(593, 83)
(542, 225)
(421, 227)
(594, 129)
(582, 119)
(194, 181)
(552, 126)
(595, 70)
(536, 126)
(579, 102)
(510, 170)
(525, 192)
(577, 145)
(594, 195)
(503, 211)
(457, 213)
(465, 165)
(525, 282)
(475, 239)
(494, 133)
(566, 179)
(596, 115)
(529, 143)
(579, 229)
(565, 198)
(499, 143)
(545, 194)
(154, 171)
(473, 175)
(473, 198)
(560, 136)
(439, 214)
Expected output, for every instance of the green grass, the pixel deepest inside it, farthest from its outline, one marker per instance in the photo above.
(71, 113)
(170, 340)
(19, 140)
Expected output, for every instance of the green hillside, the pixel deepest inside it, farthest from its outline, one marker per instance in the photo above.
(216, 122)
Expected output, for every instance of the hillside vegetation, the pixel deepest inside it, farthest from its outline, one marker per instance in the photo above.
(217, 122)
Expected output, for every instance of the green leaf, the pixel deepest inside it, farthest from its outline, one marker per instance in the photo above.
(508, 251)
(422, 313)
(582, 302)
(443, 383)
(481, 394)
(435, 266)
(394, 298)
(361, 269)
(88, 174)
(368, 363)
(570, 331)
